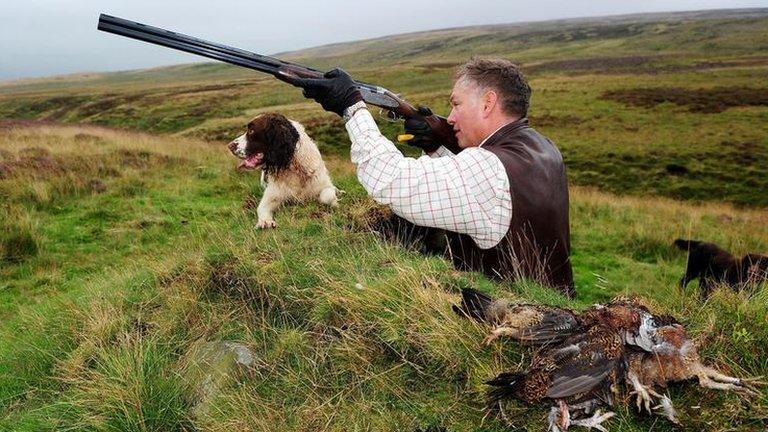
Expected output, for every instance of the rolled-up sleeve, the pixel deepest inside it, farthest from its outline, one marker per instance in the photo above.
(468, 193)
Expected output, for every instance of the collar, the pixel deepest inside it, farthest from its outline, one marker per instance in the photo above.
(513, 125)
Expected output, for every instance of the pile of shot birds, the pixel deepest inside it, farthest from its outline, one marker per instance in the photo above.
(584, 361)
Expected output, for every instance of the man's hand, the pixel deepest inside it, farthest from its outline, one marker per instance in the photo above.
(421, 131)
(336, 91)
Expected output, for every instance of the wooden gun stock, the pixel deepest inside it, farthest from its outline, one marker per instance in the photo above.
(441, 130)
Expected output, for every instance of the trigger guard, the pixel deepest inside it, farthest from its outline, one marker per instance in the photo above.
(388, 115)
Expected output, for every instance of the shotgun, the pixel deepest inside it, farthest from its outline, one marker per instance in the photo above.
(395, 107)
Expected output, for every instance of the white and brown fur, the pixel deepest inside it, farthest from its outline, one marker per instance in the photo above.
(290, 163)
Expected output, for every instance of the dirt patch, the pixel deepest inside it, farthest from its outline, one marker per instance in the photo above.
(603, 64)
(713, 100)
(715, 64)
(652, 64)
(7, 124)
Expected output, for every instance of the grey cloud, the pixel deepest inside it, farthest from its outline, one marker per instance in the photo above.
(51, 37)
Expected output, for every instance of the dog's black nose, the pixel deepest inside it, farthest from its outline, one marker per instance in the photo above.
(232, 146)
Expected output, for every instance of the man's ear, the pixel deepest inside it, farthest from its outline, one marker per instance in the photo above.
(490, 99)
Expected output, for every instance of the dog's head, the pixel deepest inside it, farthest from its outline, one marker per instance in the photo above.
(269, 143)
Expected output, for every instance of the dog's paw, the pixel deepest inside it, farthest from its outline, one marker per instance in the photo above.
(263, 224)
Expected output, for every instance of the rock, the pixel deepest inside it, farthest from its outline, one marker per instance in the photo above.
(210, 366)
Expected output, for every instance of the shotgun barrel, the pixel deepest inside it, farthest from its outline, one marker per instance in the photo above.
(279, 68)
(396, 107)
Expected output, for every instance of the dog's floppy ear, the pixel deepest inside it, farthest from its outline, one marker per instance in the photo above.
(281, 137)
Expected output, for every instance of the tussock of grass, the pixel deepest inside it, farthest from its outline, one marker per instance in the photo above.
(130, 385)
(18, 246)
(17, 237)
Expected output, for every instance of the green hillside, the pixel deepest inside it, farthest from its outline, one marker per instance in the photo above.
(672, 107)
(127, 237)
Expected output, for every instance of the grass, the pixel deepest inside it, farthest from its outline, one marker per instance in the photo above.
(349, 333)
(127, 237)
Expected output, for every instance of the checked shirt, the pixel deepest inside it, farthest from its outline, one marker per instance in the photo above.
(467, 193)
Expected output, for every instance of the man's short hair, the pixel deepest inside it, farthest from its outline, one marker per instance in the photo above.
(504, 77)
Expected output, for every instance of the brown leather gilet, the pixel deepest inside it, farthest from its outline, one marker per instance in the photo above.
(537, 245)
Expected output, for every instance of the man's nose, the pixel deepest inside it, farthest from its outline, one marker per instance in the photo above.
(232, 146)
(451, 119)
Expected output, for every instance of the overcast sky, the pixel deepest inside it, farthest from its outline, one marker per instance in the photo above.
(52, 37)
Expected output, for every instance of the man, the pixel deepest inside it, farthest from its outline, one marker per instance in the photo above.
(502, 195)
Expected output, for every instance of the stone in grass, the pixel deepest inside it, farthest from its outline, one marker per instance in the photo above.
(208, 367)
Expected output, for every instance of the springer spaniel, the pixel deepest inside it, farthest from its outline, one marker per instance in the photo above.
(714, 265)
(289, 160)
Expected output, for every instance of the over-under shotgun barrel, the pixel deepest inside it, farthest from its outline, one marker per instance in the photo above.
(236, 56)
(280, 69)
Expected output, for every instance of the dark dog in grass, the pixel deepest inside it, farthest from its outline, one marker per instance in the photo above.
(713, 266)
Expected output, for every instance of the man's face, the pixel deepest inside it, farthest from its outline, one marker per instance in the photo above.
(467, 113)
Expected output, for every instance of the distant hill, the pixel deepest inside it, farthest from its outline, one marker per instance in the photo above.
(737, 31)
(636, 31)
(667, 104)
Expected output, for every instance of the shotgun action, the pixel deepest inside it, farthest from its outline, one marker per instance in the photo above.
(396, 107)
